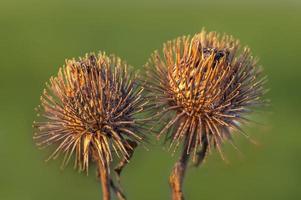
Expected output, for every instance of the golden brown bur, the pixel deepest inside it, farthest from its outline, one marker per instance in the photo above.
(203, 87)
(91, 111)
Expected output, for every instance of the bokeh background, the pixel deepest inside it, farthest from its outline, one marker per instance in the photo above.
(37, 36)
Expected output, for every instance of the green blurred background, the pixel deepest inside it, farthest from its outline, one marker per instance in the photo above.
(36, 36)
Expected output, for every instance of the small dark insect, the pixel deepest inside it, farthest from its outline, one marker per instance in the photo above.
(203, 87)
(91, 111)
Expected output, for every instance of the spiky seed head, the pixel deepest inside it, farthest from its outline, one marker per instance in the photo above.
(89, 111)
(203, 86)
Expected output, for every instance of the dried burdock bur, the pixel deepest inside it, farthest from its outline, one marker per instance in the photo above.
(91, 113)
(203, 88)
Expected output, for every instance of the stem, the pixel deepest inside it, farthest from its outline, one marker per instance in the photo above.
(105, 181)
(178, 172)
(177, 176)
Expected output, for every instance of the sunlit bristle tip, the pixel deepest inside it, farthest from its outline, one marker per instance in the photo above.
(202, 87)
(88, 111)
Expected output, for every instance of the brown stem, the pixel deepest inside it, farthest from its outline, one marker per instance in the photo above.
(105, 181)
(177, 176)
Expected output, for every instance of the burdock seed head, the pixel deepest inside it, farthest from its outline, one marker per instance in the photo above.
(89, 111)
(203, 87)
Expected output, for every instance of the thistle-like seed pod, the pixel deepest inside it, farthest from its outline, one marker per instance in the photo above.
(89, 112)
(202, 88)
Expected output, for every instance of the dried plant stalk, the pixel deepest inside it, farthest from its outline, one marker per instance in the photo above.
(105, 181)
(91, 111)
(203, 87)
(177, 176)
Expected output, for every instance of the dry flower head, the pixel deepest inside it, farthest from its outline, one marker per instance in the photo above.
(203, 87)
(89, 111)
